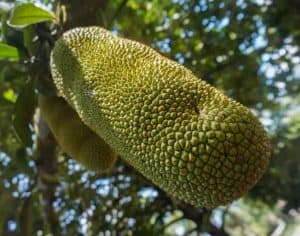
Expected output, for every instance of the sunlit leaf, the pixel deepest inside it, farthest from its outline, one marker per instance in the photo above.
(8, 52)
(10, 95)
(27, 14)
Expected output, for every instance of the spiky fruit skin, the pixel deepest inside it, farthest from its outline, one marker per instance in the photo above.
(187, 137)
(74, 137)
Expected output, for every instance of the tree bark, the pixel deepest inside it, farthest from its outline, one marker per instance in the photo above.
(46, 162)
(84, 12)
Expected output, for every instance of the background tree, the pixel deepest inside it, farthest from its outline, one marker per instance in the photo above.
(247, 48)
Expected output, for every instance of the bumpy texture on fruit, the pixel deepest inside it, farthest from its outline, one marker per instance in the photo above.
(74, 137)
(184, 135)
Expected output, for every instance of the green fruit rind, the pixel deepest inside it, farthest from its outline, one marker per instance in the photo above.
(74, 137)
(186, 136)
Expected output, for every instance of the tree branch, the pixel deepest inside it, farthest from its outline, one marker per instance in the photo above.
(46, 162)
(117, 12)
(83, 12)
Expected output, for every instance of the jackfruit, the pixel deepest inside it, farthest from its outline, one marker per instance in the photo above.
(75, 138)
(181, 133)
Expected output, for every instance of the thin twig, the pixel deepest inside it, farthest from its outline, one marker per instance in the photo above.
(117, 12)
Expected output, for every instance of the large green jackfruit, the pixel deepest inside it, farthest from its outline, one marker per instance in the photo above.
(75, 138)
(186, 136)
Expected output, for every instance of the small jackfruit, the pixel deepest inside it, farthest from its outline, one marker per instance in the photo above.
(184, 135)
(75, 138)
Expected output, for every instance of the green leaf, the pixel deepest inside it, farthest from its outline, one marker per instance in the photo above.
(8, 52)
(10, 95)
(28, 13)
(28, 35)
(24, 110)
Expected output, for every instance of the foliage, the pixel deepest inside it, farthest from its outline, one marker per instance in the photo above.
(26, 14)
(247, 48)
